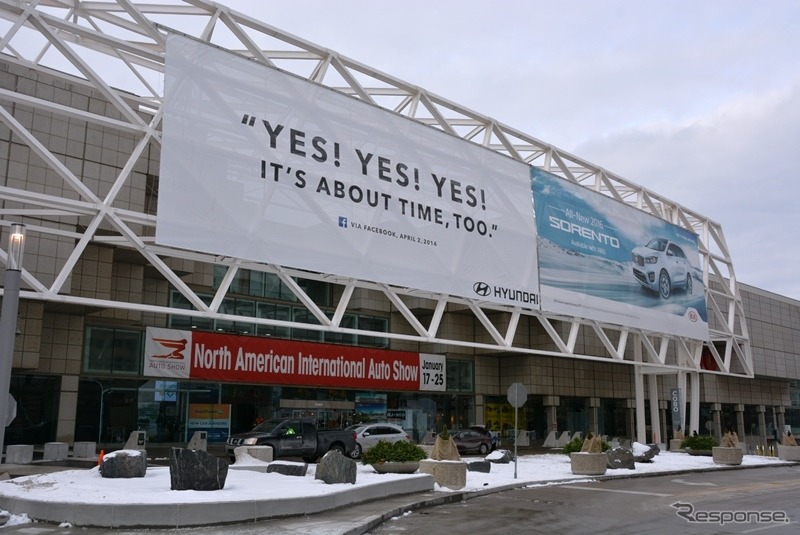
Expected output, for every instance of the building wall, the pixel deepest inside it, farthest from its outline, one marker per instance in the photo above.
(52, 335)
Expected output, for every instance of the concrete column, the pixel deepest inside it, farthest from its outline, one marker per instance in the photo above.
(479, 410)
(551, 404)
(632, 419)
(655, 421)
(663, 407)
(780, 413)
(67, 409)
(594, 421)
(639, 432)
(716, 410)
(762, 424)
(740, 430)
(694, 419)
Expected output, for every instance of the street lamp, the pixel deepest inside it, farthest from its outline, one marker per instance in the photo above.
(8, 320)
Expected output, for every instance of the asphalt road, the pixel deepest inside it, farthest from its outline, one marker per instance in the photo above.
(763, 501)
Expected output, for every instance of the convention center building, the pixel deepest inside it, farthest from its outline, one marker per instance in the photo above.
(208, 228)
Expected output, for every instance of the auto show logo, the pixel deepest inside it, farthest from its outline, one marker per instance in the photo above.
(693, 315)
(175, 348)
(167, 353)
(484, 289)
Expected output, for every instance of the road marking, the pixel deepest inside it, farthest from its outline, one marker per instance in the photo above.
(764, 528)
(684, 482)
(614, 490)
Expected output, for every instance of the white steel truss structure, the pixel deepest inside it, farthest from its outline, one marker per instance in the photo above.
(117, 48)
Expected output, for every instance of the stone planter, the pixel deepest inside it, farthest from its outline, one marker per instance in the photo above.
(448, 474)
(705, 453)
(408, 467)
(789, 453)
(675, 444)
(723, 455)
(588, 464)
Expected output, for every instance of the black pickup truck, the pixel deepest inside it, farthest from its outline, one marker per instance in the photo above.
(293, 438)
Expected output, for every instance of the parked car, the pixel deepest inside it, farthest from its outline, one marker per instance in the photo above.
(294, 438)
(367, 435)
(494, 436)
(661, 265)
(472, 441)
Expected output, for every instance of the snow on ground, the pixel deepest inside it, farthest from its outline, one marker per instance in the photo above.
(88, 486)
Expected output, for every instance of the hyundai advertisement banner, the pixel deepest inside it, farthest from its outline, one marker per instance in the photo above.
(603, 260)
(262, 165)
(196, 355)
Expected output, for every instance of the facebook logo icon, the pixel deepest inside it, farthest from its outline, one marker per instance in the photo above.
(342, 222)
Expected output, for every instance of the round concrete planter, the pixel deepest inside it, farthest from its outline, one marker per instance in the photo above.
(722, 455)
(588, 464)
(396, 468)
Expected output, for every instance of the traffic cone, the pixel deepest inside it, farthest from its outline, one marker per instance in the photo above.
(100, 457)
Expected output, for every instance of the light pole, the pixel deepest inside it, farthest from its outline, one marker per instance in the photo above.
(8, 320)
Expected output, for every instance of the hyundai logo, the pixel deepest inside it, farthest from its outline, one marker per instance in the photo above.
(481, 288)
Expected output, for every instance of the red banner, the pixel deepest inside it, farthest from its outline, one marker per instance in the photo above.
(233, 358)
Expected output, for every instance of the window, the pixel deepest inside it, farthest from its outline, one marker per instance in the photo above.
(373, 324)
(258, 284)
(177, 300)
(115, 351)
(349, 321)
(460, 376)
(277, 312)
(248, 308)
(301, 315)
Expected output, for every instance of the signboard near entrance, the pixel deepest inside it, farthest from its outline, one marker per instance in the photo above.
(252, 359)
(675, 406)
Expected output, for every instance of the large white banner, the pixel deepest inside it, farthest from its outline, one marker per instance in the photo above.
(262, 165)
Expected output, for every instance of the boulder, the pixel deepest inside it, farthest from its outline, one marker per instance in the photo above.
(483, 466)
(336, 468)
(620, 458)
(288, 469)
(124, 464)
(500, 457)
(196, 470)
(644, 453)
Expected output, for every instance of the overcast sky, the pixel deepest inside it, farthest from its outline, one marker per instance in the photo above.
(698, 101)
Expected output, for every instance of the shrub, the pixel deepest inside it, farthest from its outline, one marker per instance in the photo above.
(576, 444)
(393, 452)
(699, 442)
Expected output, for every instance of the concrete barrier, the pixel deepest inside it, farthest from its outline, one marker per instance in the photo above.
(137, 441)
(19, 454)
(261, 453)
(199, 441)
(55, 451)
(84, 450)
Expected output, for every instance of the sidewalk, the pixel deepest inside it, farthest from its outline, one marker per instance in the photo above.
(352, 511)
